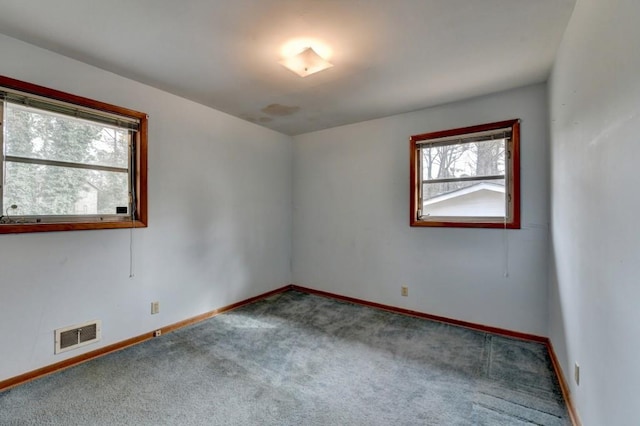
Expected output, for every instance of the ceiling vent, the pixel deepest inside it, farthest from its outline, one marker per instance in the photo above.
(76, 336)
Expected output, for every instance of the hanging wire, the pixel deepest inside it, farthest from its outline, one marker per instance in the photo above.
(505, 235)
(131, 272)
(505, 243)
(133, 207)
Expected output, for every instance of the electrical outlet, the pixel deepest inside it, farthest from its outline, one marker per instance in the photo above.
(155, 308)
(157, 333)
(576, 373)
(404, 290)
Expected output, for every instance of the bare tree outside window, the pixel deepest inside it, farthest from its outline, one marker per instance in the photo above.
(462, 160)
(466, 176)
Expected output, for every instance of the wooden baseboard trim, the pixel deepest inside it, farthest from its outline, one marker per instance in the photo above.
(62, 365)
(564, 386)
(215, 312)
(474, 326)
(573, 414)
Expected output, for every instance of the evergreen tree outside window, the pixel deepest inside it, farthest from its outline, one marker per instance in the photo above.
(69, 162)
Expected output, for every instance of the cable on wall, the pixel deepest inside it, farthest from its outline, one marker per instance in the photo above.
(505, 243)
(131, 272)
(133, 201)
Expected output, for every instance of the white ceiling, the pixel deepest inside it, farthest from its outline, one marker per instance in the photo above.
(390, 56)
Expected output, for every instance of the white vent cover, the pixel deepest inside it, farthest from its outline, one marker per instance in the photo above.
(79, 335)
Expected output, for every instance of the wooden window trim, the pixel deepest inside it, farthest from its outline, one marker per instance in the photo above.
(141, 149)
(513, 181)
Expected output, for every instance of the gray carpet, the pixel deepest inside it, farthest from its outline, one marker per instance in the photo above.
(298, 359)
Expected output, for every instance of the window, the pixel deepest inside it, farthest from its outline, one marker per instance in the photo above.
(468, 177)
(69, 162)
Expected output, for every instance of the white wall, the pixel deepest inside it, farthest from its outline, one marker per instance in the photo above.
(219, 224)
(595, 273)
(351, 231)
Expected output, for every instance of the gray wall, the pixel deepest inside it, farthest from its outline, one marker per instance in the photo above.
(351, 231)
(595, 197)
(219, 224)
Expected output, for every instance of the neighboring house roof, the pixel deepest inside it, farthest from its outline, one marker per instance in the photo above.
(482, 186)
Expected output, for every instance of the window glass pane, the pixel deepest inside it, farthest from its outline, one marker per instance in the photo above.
(38, 134)
(50, 190)
(469, 198)
(486, 158)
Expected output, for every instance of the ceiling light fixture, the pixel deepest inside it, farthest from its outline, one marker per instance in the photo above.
(306, 63)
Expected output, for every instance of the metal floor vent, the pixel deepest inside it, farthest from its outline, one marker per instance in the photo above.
(76, 336)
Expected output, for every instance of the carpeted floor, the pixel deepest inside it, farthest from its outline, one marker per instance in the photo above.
(298, 359)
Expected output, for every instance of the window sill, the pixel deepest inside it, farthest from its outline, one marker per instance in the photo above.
(466, 224)
(13, 228)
